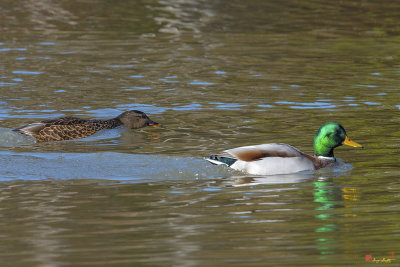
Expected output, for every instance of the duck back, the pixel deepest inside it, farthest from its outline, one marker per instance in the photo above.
(66, 128)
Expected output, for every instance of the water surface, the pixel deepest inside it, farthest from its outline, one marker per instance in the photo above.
(216, 74)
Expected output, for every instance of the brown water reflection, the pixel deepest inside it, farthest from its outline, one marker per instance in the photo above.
(217, 74)
(183, 224)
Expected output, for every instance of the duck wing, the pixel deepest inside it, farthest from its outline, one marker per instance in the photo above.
(65, 121)
(255, 153)
(258, 152)
(36, 127)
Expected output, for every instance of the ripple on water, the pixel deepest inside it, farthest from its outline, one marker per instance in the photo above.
(138, 169)
(193, 106)
(31, 114)
(137, 88)
(227, 106)
(372, 103)
(312, 105)
(168, 79)
(25, 72)
(9, 138)
(148, 109)
(3, 84)
(107, 165)
(123, 66)
(367, 85)
(47, 43)
(12, 49)
(197, 82)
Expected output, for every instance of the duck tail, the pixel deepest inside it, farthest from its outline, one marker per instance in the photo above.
(30, 129)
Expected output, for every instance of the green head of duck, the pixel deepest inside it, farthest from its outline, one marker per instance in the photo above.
(330, 136)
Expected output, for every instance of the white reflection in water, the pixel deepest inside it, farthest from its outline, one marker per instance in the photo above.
(337, 170)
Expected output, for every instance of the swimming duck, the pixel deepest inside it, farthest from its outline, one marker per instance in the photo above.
(277, 158)
(67, 128)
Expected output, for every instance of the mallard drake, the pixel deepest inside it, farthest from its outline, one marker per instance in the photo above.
(67, 128)
(276, 158)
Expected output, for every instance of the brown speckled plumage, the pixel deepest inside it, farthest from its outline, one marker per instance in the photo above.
(68, 128)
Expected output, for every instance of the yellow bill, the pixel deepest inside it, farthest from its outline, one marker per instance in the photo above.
(348, 142)
(154, 124)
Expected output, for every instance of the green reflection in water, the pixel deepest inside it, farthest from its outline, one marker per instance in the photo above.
(330, 197)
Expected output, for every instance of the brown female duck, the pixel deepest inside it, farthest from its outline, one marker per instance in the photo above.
(67, 128)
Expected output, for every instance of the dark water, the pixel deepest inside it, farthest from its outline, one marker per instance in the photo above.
(216, 74)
